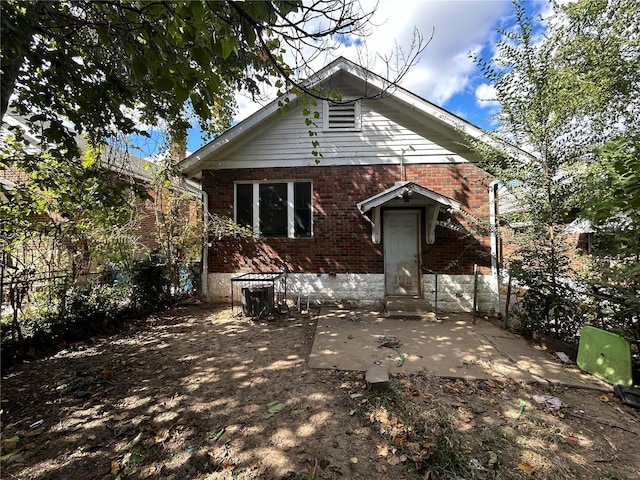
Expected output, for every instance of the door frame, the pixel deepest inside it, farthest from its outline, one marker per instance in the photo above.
(418, 217)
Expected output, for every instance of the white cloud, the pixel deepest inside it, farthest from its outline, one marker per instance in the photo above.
(247, 106)
(486, 96)
(445, 68)
(458, 27)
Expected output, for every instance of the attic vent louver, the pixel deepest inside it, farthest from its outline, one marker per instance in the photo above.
(342, 116)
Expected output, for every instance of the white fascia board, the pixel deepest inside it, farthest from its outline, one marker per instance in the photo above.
(456, 123)
(328, 161)
(26, 132)
(189, 166)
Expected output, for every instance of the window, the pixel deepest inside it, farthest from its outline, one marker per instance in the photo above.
(341, 116)
(277, 209)
(244, 204)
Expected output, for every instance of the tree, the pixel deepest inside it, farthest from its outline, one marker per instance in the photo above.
(614, 273)
(566, 86)
(523, 76)
(98, 70)
(106, 65)
(599, 63)
(84, 74)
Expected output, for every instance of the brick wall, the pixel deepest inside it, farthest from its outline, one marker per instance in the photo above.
(341, 240)
(14, 175)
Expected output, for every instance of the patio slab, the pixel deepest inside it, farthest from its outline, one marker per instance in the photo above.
(449, 346)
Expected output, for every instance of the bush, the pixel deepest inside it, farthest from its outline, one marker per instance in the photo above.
(552, 310)
(88, 309)
(60, 312)
(150, 285)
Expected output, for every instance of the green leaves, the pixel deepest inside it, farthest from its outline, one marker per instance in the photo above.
(229, 46)
(139, 65)
(569, 93)
(200, 55)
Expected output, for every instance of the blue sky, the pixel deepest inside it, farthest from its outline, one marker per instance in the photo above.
(445, 74)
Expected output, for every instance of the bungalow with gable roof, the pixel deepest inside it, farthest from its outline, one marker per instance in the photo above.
(384, 209)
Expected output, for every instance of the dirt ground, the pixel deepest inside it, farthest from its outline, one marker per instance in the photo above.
(195, 393)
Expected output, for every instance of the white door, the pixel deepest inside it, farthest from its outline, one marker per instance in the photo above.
(401, 240)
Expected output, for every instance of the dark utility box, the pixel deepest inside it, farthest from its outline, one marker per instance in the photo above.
(257, 301)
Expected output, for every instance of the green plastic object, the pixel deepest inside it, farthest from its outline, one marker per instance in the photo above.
(605, 355)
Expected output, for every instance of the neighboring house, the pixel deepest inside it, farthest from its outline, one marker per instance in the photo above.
(394, 199)
(124, 167)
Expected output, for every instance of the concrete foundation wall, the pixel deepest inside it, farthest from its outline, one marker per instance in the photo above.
(455, 292)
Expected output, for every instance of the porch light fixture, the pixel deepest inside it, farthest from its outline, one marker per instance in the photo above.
(407, 193)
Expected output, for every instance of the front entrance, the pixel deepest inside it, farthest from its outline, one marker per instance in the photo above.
(401, 252)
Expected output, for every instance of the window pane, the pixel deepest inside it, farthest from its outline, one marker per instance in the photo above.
(244, 204)
(273, 209)
(302, 209)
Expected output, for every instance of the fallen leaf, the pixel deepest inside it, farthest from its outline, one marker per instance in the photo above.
(394, 460)
(383, 450)
(216, 436)
(452, 370)
(526, 468)
(148, 471)
(116, 466)
(274, 407)
(133, 442)
(228, 465)
(399, 441)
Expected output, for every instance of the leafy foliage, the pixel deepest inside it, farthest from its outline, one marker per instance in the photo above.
(106, 65)
(569, 95)
(149, 285)
(523, 76)
(614, 273)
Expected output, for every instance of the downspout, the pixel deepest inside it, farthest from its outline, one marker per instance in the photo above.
(493, 222)
(204, 280)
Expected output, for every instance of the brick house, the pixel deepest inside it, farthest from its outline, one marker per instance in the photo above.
(124, 168)
(392, 203)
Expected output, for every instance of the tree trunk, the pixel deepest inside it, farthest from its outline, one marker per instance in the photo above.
(15, 47)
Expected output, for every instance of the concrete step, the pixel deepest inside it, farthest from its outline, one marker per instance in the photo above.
(409, 307)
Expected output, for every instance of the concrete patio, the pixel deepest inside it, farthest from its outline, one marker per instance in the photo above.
(448, 346)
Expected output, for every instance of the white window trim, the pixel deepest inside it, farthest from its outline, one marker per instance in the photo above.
(357, 112)
(291, 213)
